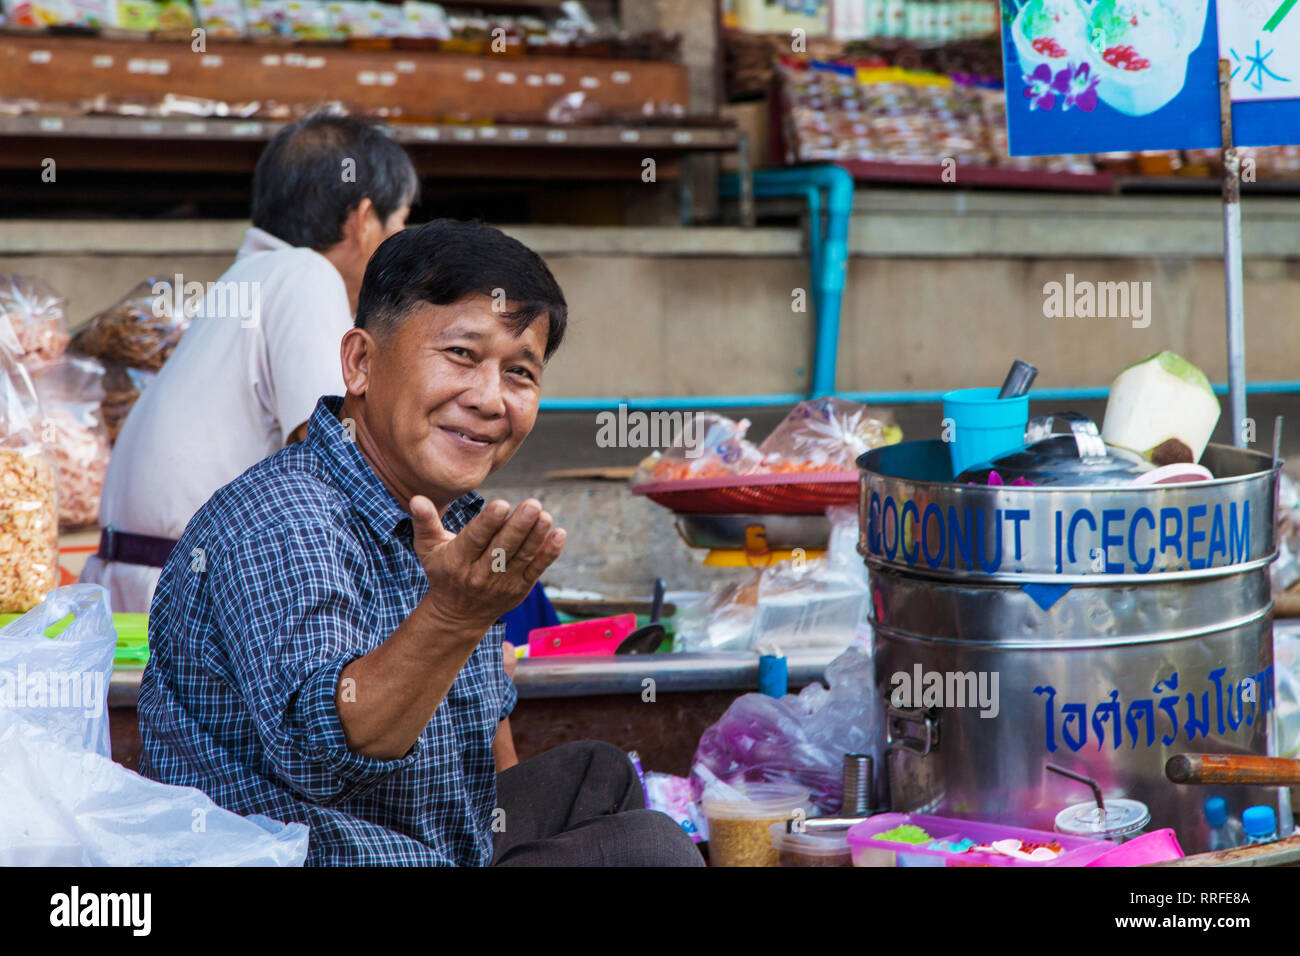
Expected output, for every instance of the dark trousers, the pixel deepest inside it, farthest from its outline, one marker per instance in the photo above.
(581, 804)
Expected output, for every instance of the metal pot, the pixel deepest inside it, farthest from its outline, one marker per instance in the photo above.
(1118, 625)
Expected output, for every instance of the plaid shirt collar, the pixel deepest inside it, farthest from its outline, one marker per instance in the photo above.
(342, 458)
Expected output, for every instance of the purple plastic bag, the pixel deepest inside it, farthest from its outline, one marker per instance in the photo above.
(800, 739)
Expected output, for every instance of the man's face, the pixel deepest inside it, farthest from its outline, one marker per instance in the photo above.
(451, 395)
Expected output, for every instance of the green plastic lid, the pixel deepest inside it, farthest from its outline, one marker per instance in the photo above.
(132, 635)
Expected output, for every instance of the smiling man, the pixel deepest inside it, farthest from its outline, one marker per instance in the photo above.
(325, 644)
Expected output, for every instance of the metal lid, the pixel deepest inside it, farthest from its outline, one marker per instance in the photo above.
(1121, 818)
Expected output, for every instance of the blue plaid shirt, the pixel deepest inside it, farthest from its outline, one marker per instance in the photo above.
(297, 567)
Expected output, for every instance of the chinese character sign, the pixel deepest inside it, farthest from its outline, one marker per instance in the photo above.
(1093, 76)
(1261, 39)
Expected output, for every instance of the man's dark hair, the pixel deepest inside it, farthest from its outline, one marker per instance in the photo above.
(444, 261)
(304, 187)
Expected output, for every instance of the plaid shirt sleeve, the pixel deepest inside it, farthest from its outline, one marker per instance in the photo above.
(294, 619)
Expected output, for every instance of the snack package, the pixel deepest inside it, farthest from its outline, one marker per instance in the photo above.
(89, 13)
(122, 386)
(827, 434)
(221, 18)
(32, 15)
(71, 392)
(136, 15)
(673, 796)
(176, 15)
(32, 326)
(349, 18)
(29, 515)
(266, 18)
(140, 331)
(424, 20)
(385, 19)
(307, 20)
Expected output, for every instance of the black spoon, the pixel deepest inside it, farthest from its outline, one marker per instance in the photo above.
(646, 640)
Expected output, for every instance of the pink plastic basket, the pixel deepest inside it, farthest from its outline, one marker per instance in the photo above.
(1154, 847)
(869, 851)
(798, 493)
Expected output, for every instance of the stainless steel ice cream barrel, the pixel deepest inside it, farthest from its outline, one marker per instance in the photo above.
(1101, 629)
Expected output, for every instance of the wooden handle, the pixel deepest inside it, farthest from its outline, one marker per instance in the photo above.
(1233, 769)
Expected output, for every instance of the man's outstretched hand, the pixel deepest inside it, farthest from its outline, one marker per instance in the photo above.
(489, 567)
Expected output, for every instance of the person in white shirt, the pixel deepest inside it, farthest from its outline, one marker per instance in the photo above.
(327, 191)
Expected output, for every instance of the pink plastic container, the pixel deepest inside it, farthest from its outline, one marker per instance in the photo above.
(1154, 847)
(868, 851)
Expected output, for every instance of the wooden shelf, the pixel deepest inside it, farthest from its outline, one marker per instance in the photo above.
(423, 84)
(986, 177)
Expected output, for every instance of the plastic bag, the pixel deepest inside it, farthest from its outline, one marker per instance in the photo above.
(722, 621)
(60, 684)
(1286, 670)
(32, 324)
(122, 387)
(140, 331)
(1285, 571)
(63, 802)
(799, 739)
(71, 392)
(29, 516)
(709, 446)
(61, 806)
(827, 434)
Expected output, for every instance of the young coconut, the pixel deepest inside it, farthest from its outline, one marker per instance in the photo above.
(1163, 409)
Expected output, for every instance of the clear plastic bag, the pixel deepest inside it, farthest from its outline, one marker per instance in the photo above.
(63, 801)
(140, 331)
(798, 739)
(60, 683)
(29, 516)
(122, 387)
(1285, 571)
(61, 806)
(722, 621)
(827, 434)
(32, 323)
(71, 391)
(709, 446)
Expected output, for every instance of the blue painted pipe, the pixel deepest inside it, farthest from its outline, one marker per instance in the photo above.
(911, 397)
(831, 271)
(829, 265)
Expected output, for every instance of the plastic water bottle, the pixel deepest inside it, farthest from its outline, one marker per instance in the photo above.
(1260, 824)
(1225, 832)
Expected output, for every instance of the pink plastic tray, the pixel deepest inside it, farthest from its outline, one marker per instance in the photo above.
(1078, 851)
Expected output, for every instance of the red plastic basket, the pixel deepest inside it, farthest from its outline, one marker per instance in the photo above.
(806, 493)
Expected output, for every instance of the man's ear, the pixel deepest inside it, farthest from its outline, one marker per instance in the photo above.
(358, 222)
(356, 352)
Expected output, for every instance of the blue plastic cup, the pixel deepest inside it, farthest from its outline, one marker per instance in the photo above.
(978, 425)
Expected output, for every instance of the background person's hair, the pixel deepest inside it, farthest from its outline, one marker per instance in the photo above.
(300, 193)
(444, 261)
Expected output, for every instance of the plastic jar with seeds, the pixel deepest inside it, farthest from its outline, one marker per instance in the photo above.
(740, 829)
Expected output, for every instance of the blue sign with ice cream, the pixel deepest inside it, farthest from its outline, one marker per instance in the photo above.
(1094, 76)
